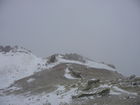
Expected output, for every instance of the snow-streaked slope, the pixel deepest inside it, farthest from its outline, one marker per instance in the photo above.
(61, 96)
(18, 64)
(56, 97)
(88, 63)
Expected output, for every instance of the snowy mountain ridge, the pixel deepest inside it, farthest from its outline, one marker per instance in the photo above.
(18, 62)
(61, 79)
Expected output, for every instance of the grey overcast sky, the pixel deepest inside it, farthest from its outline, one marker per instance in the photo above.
(103, 30)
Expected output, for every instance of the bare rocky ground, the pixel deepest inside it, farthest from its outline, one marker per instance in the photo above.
(73, 84)
(89, 79)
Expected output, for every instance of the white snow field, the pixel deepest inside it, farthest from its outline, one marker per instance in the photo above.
(17, 65)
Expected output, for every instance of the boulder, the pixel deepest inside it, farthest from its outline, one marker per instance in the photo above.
(84, 95)
(52, 59)
(75, 74)
(100, 92)
(90, 84)
(132, 77)
(104, 92)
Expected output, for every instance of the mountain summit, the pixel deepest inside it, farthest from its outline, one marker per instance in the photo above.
(62, 79)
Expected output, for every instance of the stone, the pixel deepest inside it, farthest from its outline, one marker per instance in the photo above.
(104, 92)
(75, 74)
(52, 59)
(90, 84)
(83, 95)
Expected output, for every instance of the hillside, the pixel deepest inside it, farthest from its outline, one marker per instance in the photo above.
(62, 79)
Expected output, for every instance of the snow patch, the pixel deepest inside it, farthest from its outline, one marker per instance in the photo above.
(30, 80)
(114, 93)
(123, 91)
(93, 79)
(105, 86)
(68, 75)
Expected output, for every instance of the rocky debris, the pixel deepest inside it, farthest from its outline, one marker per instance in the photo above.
(100, 92)
(52, 59)
(75, 74)
(90, 84)
(89, 89)
(135, 81)
(104, 92)
(131, 81)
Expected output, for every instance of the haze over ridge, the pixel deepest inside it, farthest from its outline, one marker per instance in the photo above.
(101, 30)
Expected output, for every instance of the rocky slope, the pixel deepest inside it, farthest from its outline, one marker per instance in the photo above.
(62, 79)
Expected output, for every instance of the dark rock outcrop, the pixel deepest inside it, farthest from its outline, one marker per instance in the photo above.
(75, 74)
(90, 84)
(5, 49)
(52, 59)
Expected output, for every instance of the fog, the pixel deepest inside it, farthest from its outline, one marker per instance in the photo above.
(103, 30)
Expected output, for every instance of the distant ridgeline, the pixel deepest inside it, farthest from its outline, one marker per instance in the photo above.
(8, 48)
